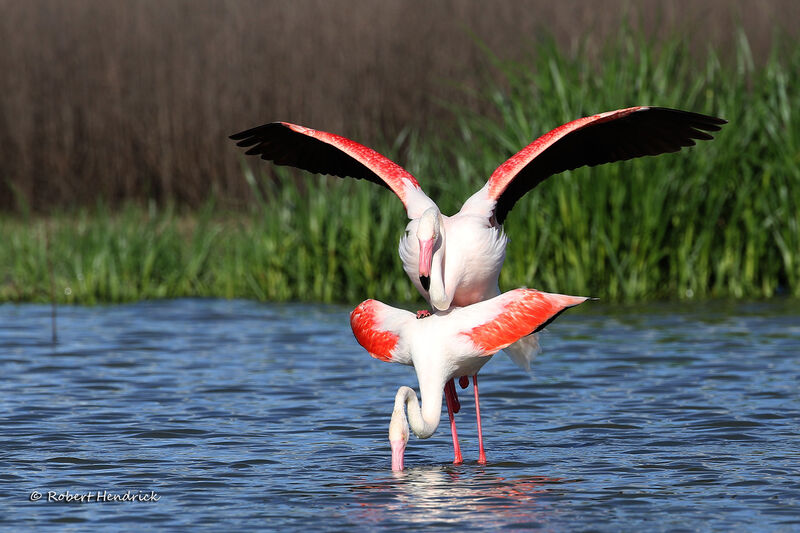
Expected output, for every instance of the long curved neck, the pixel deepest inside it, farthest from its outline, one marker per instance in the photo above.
(422, 421)
(438, 292)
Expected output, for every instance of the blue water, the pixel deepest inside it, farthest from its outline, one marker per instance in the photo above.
(241, 415)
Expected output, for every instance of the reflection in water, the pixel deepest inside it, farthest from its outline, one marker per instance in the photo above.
(425, 495)
(243, 415)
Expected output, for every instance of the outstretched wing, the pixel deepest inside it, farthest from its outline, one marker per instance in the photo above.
(604, 138)
(495, 324)
(326, 153)
(377, 328)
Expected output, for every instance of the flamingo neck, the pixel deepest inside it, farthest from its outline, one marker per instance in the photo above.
(438, 292)
(422, 421)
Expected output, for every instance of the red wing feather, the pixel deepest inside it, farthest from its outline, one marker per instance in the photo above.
(324, 153)
(603, 138)
(364, 323)
(525, 311)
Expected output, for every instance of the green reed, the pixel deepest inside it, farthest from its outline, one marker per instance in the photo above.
(721, 219)
(718, 220)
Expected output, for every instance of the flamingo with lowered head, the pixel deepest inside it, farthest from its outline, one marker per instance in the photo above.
(456, 260)
(448, 345)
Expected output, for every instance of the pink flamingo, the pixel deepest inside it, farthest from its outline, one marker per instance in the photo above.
(456, 260)
(449, 344)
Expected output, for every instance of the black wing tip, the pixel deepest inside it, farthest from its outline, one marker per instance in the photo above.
(701, 134)
(552, 318)
(257, 131)
(698, 120)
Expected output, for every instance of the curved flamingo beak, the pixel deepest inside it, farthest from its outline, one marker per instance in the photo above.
(398, 449)
(425, 260)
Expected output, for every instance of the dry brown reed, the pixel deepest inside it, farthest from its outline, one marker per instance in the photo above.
(121, 99)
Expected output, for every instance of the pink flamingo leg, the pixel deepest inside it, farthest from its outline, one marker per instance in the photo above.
(481, 453)
(453, 407)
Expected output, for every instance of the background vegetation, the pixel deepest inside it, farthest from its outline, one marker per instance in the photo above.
(118, 182)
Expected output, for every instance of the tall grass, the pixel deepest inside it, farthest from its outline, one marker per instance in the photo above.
(299, 247)
(721, 219)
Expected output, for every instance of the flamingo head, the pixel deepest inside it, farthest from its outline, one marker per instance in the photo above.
(428, 235)
(398, 437)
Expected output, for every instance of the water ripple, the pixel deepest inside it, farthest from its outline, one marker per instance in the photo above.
(243, 415)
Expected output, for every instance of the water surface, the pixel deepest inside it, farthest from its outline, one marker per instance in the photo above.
(242, 415)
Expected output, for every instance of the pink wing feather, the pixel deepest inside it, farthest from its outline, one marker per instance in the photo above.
(377, 328)
(320, 152)
(603, 138)
(522, 312)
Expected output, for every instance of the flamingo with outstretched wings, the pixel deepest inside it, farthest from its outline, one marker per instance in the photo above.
(455, 261)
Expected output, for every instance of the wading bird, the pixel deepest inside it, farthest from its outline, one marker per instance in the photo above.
(448, 345)
(456, 260)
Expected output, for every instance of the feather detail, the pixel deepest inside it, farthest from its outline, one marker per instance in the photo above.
(321, 152)
(602, 138)
(379, 344)
(379, 329)
(524, 311)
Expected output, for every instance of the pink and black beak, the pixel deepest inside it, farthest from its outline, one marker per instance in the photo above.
(425, 260)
